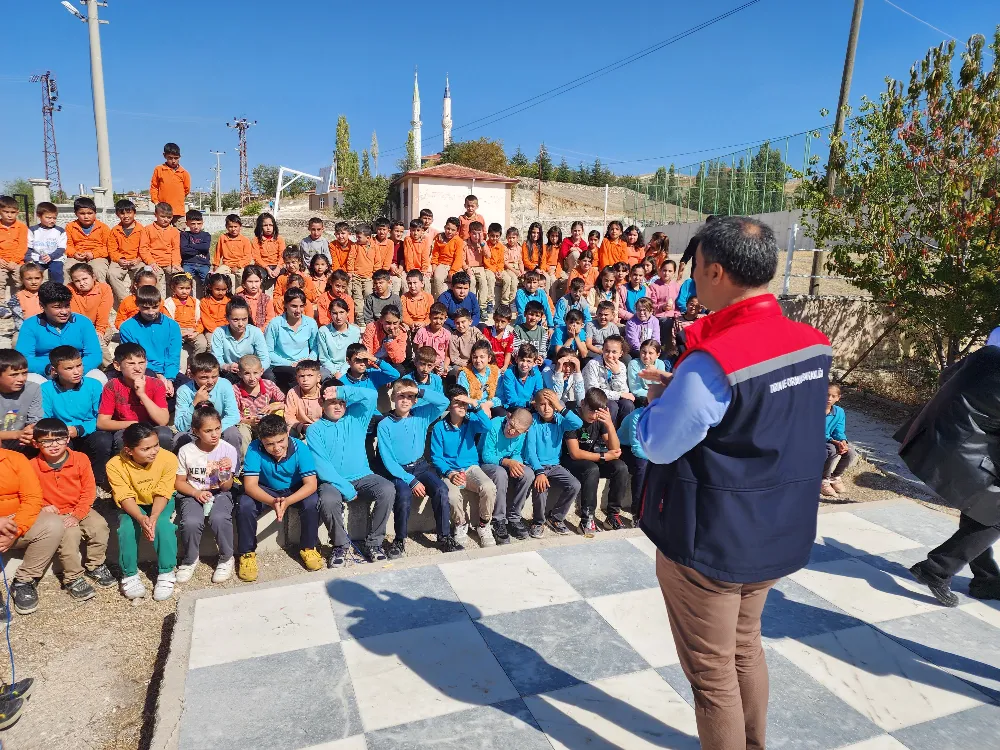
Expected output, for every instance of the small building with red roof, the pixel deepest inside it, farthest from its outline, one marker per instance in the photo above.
(443, 188)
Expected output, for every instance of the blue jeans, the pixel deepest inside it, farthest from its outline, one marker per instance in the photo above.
(249, 510)
(55, 269)
(437, 491)
(197, 269)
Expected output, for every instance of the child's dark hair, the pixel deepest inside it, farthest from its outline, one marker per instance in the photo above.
(650, 344)
(233, 219)
(316, 259)
(426, 212)
(129, 350)
(307, 365)
(341, 226)
(670, 263)
(258, 229)
(565, 351)
(482, 345)
(614, 223)
(381, 222)
(214, 278)
(143, 273)
(396, 223)
(594, 235)
(340, 304)
(461, 312)
(238, 303)
(147, 295)
(512, 232)
(296, 281)
(381, 275)
(293, 251)
(181, 278)
(644, 303)
(193, 215)
(12, 359)
(438, 308)
(202, 413)
(314, 221)
(460, 278)
(271, 425)
(453, 220)
(455, 390)
(470, 197)
(64, 353)
(633, 228)
(340, 275)
(363, 230)
(595, 399)
(84, 202)
(531, 276)
(123, 205)
(389, 310)
(495, 228)
(249, 271)
(476, 226)
(576, 285)
(416, 224)
(163, 209)
(606, 305)
(557, 231)
(203, 362)
(414, 274)
(503, 311)
(50, 427)
(426, 355)
(829, 387)
(575, 316)
(616, 339)
(8, 201)
(293, 294)
(46, 207)
(136, 433)
(526, 351)
(534, 307)
(353, 349)
(171, 149)
(29, 266)
(586, 255)
(51, 293)
(534, 248)
(85, 267)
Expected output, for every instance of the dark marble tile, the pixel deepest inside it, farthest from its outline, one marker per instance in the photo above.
(793, 611)
(975, 729)
(612, 567)
(916, 522)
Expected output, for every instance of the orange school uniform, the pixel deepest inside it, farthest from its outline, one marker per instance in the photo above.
(213, 313)
(13, 241)
(96, 242)
(493, 257)
(417, 310)
(636, 255)
(612, 252)
(416, 255)
(261, 307)
(160, 246)
(361, 260)
(95, 305)
(234, 252)
(464, 221)
(322, 314)
(448, 252)
(383, 253)
(170, 186)
(589, 278)
(338, 255)
(267, 250)
(122, 246)
(29, 303)
(186, 314)
(544, 259)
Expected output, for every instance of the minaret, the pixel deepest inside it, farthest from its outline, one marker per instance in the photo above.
(415, 122)
(446, 113)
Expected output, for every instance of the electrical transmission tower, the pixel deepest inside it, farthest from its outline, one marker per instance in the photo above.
(241, 124)
(50, 93)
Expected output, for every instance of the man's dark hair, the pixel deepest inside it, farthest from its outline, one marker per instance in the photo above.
(744, 247)
(203, 362)
(12, 359)
(52, 293)
(271, 425)
(64, 353)
(595, 399)
(194, 215)
(127, 350)
(50, 427)
(147, 295)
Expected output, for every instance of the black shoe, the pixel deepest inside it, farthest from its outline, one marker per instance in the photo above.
(25, 597)
(448, 544)
(615, 522)
(500, 531)
(102, 576)
(985, 588)
(396, 549)
(558, 526)
(941, 591)
(337, 557)
(80, 589)
(10, 712)
(587, 525)
(536, 530)
(18, 691)
(373, 554)
(4, 611)
(517, 529)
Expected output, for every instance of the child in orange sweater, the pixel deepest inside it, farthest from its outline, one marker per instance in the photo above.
(13, 244)
(87, 238)
(170, 182)
(123, 249)
(213, 305)
(233, 251)
(417, 301)
(128, 309)
(160, 246)
(302, 404)
(185, 309)
(92, 299)
(268, 247)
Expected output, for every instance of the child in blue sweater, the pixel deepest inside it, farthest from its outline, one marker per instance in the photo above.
(839, 453)
(458, 297)
(158, 335)
(424, 362)
(543, 450)
(572, 300)
(520, 383)
(454, 455)
(402, 436)
(531, 291)
(58, 326)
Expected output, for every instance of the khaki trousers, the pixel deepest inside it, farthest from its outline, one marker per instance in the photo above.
(39, 543)
(360, 288)
(716, 628)
(100, 266)
(507, 281)
(478, 483)
(439, 279)
(235, 276)
(94, 530)
(120, 280)
(483, 282)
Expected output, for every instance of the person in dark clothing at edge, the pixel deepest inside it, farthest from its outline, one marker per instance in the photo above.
(692, 246)
(953, 444)
(736, 450)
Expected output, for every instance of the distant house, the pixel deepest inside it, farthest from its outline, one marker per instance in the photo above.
(443, 187)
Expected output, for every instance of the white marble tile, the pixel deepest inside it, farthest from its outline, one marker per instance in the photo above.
(865, 592)
(507, 583)
(634, 711)
(259, 622)
(988, 612)
(425, 672)
(859, 536)
(357, 742)
(879, 678)
(640, 617)
(643, 544)
(882, 742)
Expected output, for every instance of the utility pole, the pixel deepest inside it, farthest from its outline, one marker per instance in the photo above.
(97, 88)
(218, 180)
(50, 93)
(241, 125)
(819, 257)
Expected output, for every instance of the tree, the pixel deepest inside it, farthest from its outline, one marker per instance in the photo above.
(264, 179)
(483, 153)
(916, 214)
(409, 161)
(20, 186)
(365, 198)
(582, 176)
(230, 200)
(544, 164)
(672, 193)
(563, 173)
(374, 150)
(366, 170)
(519, 165)
(347, 160)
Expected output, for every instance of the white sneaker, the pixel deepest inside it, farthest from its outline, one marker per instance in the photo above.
(164, 588)
(485, 533)
(185, 572)
(132, 588)
(223, 571)
(461, 532)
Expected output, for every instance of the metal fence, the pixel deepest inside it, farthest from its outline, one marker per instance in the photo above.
(760, 178)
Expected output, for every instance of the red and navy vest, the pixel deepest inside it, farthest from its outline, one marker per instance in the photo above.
(741, 506)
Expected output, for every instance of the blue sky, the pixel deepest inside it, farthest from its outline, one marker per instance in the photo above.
(178, 72)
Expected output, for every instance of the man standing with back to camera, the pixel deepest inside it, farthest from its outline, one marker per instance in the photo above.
(736, 451)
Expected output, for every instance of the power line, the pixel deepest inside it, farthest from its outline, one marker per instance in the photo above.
(564, 88)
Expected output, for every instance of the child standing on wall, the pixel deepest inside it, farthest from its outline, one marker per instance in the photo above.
(170, 182)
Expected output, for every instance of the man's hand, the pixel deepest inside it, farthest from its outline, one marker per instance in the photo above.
(50, 509)
(541, 483)
(611, 455)
(514, 468)
(419, 491)
(204, 496)
(73, 432)
(603, 415)
(69, 521)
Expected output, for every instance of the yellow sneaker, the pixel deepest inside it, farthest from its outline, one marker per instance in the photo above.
(248, 567)
(311, 559)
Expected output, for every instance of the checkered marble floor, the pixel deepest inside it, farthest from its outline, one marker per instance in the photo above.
(569, 647)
